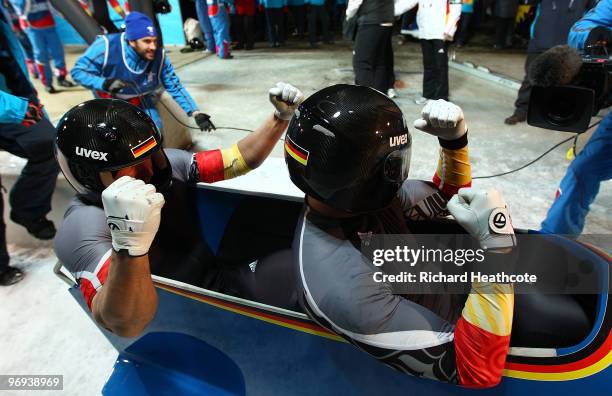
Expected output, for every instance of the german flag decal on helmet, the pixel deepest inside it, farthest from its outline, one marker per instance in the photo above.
(144, 147)
(297, 152)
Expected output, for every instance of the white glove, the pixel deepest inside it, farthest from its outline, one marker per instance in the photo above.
(285, 98)
(484, 214)
(133, 213)
(442, 119)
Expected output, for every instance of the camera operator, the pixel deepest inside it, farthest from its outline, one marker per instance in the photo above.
(593, 165)
(553, 21)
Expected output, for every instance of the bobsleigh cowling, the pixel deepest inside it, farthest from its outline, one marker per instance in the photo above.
(203, 342)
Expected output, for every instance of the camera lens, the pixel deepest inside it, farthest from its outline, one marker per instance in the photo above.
(562, 111)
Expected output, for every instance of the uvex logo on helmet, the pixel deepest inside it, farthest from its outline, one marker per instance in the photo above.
(398, 140)
(93, 154)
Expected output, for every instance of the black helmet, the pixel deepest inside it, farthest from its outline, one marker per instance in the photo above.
(349, 147)
(107, 135)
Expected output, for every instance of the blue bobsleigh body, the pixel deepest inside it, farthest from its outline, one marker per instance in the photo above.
(205, 343)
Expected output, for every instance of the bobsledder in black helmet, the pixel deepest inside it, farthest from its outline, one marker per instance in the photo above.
(349, 146)
(106, 135)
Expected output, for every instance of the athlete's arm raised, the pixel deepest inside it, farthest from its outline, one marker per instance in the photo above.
(128, 301)
(445, 120)
(249, 152)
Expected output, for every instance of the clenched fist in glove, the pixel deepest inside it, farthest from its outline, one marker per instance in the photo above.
(285, 98)
(133, 213)
(442, 119)
(484, 214)
(113, 85)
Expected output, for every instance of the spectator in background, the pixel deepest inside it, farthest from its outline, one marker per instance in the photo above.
(275, 24)
(593, 165)
(26, 133)
(437, 20)
(245, 24)
(13, 18)
(463, 32)
(298, 11)
(339, 9)
(37, 21)
(218, 12)
(505, 11)
(373, 50)
(318, 14)
(207, 30)
(408, 26)
(552, 24)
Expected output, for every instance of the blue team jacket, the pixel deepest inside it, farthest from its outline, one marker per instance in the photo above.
(111, 56)
(273, 3)
(12, 108)
(601, 15)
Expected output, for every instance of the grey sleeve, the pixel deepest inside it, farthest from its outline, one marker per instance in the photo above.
(83, 241)
(181, 161)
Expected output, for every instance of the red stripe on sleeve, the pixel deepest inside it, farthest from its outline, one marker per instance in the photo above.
(87, 288)
(480, 355)
(88, 291)
(210, 165)
(103, 273)
(448, 190)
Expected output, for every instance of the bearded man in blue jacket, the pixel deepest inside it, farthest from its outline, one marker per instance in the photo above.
(131, 66)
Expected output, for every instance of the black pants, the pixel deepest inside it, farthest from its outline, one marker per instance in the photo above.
(435, 69)
(503, 32)
(373, 57)
(522, 101)
(275, 25)
(299, 19)
(30, 197)
(316, 14)
(464, 28)
(245, 30)
(339, 11)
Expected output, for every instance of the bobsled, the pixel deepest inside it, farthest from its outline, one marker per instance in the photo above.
(202, 342)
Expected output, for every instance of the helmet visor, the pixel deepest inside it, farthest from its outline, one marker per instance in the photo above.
(397, 165)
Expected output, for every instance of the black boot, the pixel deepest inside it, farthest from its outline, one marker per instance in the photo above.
(65, 83)
(41, 228)
(10, 276)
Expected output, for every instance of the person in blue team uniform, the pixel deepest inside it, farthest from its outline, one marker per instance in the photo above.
(318, 14)
(37, 21)
(580, 185)
(298, 11)
(26, 132)
(13, 19)
(275, 24)
(130, 66)
(207, 30)
(218, 13)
